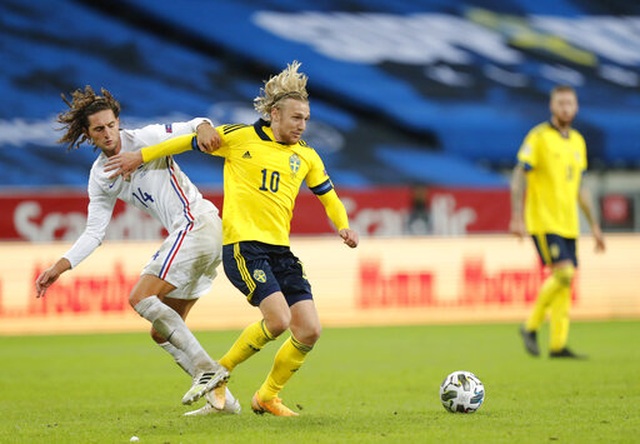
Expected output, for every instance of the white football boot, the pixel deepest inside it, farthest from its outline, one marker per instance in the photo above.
(231, 404)
(204, 382)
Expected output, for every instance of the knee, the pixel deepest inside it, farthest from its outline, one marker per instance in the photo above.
(278, 323)
(308, 334)
(135, 298)
(564, 274)
(313, 335)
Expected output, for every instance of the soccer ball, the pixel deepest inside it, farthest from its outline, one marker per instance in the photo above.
(461, 392)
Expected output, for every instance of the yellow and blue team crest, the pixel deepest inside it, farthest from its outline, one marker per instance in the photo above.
(259, 275)
(294, 164)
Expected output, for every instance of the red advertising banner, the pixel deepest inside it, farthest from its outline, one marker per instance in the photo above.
(50, 215)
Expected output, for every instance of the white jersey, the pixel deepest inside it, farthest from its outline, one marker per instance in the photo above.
(158, 188)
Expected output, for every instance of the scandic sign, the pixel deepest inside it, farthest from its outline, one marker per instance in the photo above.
(60, 215)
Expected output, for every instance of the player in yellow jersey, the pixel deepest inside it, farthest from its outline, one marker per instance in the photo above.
(265, 165)
(548, 179)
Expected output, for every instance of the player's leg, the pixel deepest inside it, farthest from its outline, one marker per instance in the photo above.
(564, 266)
(168, 324)
(186, 262)
(305, 331)
(529, 331)
(275, 320)
(182, 307)
(252, 339)
(560, 321)
(548, 291)
(246, 264)
(230, 404)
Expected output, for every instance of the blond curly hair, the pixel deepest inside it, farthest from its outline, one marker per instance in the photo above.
(83, 103)
(289, 84)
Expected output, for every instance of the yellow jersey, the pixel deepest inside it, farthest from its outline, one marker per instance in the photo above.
(554, 165)
(262, 179)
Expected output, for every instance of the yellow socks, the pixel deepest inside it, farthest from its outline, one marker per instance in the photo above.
(556, 294)
(287, 361)
(550, 287)
(559, 323)
(250, 342)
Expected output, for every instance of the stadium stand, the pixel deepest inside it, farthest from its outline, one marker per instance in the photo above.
(401, 91)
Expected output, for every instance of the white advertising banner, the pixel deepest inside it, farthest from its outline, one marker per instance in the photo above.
(385, 281)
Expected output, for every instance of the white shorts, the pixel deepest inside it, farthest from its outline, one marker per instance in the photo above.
(188, 258)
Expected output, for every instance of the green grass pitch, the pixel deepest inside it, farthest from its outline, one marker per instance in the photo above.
(360, 385)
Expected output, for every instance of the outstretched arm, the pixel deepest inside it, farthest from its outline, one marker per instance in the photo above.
(123, 164)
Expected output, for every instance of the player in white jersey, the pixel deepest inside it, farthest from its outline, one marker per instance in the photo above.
(184, 267)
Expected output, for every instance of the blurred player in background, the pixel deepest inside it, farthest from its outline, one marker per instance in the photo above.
(548, 178)
(265, 165)
(184, 267)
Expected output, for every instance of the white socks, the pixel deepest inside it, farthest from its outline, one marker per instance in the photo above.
(181, 359)
(170, 325)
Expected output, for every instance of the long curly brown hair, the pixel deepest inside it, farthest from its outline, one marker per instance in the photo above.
(83, 104)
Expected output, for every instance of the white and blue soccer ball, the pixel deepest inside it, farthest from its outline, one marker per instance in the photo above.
(461, 392)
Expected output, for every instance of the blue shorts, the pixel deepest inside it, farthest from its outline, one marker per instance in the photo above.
(553, 248)
(259, 270)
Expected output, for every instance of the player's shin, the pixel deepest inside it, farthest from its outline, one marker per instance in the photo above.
(549, 290)
(287, 361)
(170, 325)
(180, 358)
(250, 342)
(559, 322)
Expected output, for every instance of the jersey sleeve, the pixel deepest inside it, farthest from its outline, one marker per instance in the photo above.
(320, 184)
(527, 154)
(176, 145)
(335, 209)
(154, 134)
(229, 136)
(317, 174)
(584, 164)
(165, 140)
(99, 214)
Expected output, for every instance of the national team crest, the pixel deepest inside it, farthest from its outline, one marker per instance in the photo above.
(260, 275)
(294, 163)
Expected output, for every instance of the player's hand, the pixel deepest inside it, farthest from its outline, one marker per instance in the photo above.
(50, 275)
(207, 138)
(46, 278)
(517, 227)
(350, 237)
(123, 164)
(597, 234)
